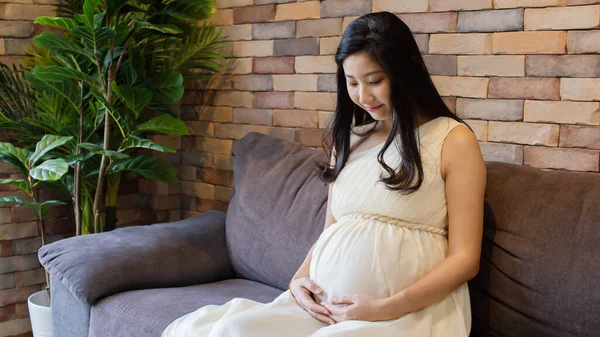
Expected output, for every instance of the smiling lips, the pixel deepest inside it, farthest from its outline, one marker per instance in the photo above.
(374, 108)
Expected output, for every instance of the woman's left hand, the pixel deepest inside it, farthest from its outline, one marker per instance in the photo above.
(357, 307)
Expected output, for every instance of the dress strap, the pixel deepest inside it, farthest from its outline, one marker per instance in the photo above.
(396, 222)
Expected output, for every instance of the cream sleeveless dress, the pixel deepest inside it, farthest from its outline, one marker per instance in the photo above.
(382, 242)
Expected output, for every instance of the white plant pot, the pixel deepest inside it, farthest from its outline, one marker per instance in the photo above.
(40, 314)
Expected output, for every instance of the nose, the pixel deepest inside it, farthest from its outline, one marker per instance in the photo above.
(364, 96)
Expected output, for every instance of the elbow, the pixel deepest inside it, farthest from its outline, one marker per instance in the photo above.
(473, 271)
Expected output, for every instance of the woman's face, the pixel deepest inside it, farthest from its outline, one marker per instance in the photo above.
(368, 85)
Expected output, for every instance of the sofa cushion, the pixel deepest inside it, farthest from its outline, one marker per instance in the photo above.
(539, 268)
(148, 312)
(277, 210)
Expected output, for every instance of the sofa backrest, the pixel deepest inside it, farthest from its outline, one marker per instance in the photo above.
(539, 273)
(277, 210)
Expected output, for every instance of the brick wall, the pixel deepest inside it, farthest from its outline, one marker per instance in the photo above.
(523, 73)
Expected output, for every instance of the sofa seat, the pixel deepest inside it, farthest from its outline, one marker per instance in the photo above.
(148, 312)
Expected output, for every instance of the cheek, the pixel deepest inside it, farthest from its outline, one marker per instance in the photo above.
(353, 95)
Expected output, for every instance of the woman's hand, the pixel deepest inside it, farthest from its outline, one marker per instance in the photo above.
(358, 307)
(302, 289)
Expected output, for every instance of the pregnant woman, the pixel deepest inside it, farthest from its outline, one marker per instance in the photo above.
(404, 215)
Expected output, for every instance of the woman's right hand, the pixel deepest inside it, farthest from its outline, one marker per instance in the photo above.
(302, 289)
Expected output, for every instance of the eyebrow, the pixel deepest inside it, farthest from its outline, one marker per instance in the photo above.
(367, 74)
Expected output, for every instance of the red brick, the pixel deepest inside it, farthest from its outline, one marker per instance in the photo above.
(252, 116)
(253, 82)
(16, 46)
(22, 214)
(336, 8)
(204, 205)
(563, 65)
(395, 6)
(309, 137)
(16, 28)
(490, 109)
(215, 177)
(580, 89)
(580, 136)
(18, 295)
(430, 22)
(562, 18)
(233, 3)
(27, 11)
(58, 226)
(441, 64)
(530, 42)
(562, 112)
(5, 248)
(251, 14)
(562, 159)
(296, 118)
(296, 47)
(587, 41)
(30, 277)
(507, 153)
(527, 88)
(18, 230)
(274, 30)
(273, 65)
(298, 11)
(320, 28)
(274, 100)
(490, 21)
(8, 312)
(582, 2)
(524, 133)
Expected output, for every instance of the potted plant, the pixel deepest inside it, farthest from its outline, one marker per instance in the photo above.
(106, 82)
(36, 167)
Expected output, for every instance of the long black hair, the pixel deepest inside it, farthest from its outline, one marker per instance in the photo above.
(390, 43)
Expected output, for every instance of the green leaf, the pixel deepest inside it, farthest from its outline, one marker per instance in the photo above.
(51, 170)
(114, 113)
(59, 44)
(89, 8)
(127, 73)
(72, 160)
(168, 87)
(94, 38)
(47, 143)
(46, 205)
(137, 142)
(15, 156)
(59, 74)
(97, 149)
(11, 199)
(135, 98)
(163, 28)
(149, 167)
(66, 23)
(21, 184)
(99, 19)
(163, 124)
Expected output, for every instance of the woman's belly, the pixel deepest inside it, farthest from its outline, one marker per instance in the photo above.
(358, 256)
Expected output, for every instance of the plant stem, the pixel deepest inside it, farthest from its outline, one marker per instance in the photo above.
(42, 233)
(76, 184)
(99, 205)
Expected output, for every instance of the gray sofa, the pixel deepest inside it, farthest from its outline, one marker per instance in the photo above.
(538, 276)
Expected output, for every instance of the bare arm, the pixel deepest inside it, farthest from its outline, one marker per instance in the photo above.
(465, 174)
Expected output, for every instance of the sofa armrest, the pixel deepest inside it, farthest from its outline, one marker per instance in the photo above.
(186, 252)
